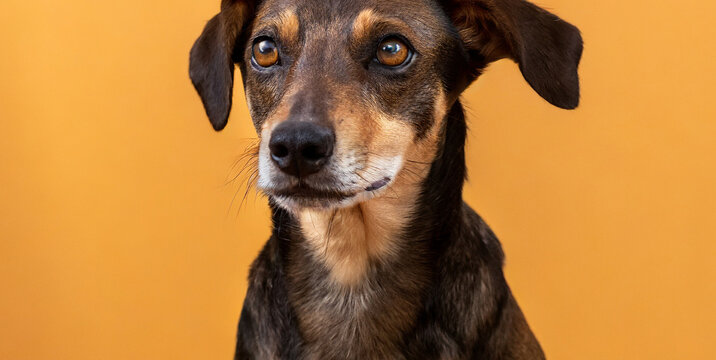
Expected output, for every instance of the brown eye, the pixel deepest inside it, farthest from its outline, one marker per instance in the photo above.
(392, 52)
(265, 53)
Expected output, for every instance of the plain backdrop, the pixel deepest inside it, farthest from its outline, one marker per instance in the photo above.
(119, 238)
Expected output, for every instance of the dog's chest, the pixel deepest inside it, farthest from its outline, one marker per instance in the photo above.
(350, 327)
(366, 321)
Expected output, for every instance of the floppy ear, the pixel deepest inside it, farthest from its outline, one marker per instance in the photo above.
(546, 48)
(211, 62)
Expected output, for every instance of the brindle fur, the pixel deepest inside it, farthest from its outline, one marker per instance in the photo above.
(439, 291)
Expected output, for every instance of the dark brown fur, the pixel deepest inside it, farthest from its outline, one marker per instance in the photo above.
(434, 287)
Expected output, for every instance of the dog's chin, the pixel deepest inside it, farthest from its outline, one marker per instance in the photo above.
(300, 197)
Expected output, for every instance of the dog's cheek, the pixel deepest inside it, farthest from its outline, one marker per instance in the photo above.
(410, 136)
(423, 149)
(411, 99)
(262, 97)
(421, 113)
(253, 111)
(388, 147)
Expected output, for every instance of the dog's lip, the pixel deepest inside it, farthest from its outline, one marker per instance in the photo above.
(307, 192)
(378, 184)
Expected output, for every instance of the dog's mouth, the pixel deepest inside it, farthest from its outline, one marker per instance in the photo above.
(378, 184)
(303, 191)
(304, 195)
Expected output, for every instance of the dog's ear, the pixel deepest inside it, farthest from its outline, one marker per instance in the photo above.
(211, 62)
(546, 48)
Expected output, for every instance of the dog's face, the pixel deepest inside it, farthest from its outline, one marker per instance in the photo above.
(346, 95)
(343, 96)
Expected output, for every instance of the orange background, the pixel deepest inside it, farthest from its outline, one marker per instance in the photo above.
(119, 239)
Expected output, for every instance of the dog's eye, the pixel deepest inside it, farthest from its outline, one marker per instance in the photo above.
(265, 53)
(392, 52)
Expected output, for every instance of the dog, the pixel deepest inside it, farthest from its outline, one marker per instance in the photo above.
(373, 253)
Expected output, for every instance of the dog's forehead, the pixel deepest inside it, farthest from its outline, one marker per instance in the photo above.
(341, 14)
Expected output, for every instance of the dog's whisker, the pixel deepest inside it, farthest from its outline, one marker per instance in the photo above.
(249, 158)
(328, 232)
(246, 185)
(250, 183)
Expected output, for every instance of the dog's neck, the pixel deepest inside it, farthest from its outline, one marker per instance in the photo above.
(346, 240)
(373, 265)
(420, 206)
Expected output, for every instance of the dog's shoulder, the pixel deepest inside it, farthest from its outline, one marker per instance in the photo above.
(470, 286)
(474, 242)
(267, 326)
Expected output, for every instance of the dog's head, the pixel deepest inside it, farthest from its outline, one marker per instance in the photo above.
(346, 95)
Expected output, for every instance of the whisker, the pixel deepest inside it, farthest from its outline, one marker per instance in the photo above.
(247, 163)
(249, 159)
(328, 232)
(250, 183)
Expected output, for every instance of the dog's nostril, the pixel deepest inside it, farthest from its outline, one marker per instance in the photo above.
(279, 151)
(313, 153)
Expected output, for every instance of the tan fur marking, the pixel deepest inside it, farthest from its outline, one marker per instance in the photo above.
(363, 22)
(368, 19)
(288, 25)
(349, 239)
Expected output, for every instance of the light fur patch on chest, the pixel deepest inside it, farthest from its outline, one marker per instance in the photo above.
(348, 240)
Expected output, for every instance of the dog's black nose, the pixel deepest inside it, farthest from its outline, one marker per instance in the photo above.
(301, 148)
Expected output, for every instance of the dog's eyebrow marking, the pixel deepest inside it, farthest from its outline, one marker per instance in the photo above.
(286, 23)
(363, 22)
(368, 20)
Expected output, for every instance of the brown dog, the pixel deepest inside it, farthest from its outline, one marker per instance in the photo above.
(374, 255)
